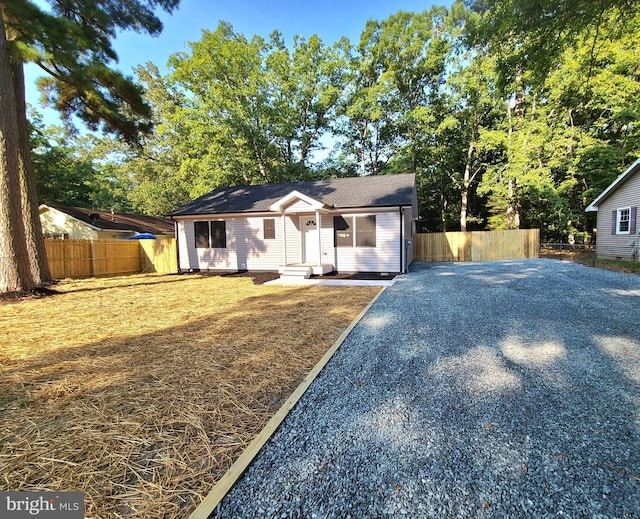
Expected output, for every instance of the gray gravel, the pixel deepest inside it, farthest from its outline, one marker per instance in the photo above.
(500, 389)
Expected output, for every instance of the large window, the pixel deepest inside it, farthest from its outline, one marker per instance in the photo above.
(201, 230)
(210, 235)
(355, 231)
(366, 231)
(218, 235)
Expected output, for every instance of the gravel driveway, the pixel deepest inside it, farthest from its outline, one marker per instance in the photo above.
(500, 389)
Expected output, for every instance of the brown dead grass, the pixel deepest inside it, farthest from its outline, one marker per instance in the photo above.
(141, 391)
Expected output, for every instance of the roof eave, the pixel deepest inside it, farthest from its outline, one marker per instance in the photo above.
(593, 206)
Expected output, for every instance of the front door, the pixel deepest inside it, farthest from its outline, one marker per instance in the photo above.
(309, 228)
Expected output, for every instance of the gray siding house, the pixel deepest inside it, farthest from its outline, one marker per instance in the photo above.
(359, 224)
(618, 225)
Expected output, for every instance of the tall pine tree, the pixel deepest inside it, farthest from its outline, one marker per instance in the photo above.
(71, 42)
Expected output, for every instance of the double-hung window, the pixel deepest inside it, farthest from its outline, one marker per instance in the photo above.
(623, 220)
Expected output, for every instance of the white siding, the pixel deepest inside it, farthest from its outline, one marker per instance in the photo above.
(246, 247)
(294, 240)
(617, 246)
(384, 257)
(408, 234)
(299, 206)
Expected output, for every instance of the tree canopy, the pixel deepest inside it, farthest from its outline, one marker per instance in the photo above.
(510, 113)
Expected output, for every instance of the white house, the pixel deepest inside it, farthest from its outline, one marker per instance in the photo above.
(617, 207)
(359, 224)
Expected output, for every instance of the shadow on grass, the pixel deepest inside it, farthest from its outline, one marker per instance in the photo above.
(159, 417)
(503, 389)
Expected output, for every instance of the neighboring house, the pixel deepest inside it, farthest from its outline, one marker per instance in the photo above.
(78, 223)
(617, 208)
(359, 224)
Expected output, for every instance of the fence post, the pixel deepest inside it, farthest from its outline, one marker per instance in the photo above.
(93, 258)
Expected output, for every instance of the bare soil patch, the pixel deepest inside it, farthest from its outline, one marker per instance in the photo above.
(587, 257)
(141, 391)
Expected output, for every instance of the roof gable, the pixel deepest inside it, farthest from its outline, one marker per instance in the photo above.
(296, 200)
(339, 193)
(615, 185)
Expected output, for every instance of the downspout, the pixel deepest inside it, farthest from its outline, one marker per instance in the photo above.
(175, 232)
(402, 251)
(318, 224)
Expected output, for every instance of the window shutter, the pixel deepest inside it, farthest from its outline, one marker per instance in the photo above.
(614, 221)
(632, 220)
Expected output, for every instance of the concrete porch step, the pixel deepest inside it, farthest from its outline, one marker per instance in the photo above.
(295, 272)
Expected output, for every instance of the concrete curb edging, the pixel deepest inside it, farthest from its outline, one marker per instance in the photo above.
(236, 470)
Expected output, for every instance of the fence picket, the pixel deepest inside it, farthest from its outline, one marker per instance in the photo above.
(477, 245)
(87, 258)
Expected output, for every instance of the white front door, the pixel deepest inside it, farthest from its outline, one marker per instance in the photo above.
(309, 228)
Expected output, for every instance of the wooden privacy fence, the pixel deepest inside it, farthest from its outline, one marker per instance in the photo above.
(477, 245)
(87, 258)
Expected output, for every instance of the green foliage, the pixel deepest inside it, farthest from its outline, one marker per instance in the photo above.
(67, 174)
(72, 45)
(395, 76)
(235, 111)
(529, 37)
(619, 265)
(511, 114)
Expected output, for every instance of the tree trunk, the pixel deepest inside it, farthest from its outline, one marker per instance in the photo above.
(466, 182)
(37, 256)
(15, 274)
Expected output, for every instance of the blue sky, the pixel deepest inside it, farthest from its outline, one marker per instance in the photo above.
(330, 19)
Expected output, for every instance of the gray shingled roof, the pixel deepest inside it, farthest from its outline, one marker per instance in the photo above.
(339, 193)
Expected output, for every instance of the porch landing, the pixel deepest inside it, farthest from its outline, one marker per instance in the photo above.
(303, 270)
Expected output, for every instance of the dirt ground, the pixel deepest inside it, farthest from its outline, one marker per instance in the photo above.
(587, 257)
(141, 391)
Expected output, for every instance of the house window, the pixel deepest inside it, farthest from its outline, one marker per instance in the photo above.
(58, 236)
(210, 235)
(269, 228)
(343, 229)
(623, 220)
(201, 231)
(366, 231)
(358, 231)
(218, 235)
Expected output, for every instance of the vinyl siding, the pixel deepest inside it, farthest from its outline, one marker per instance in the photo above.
(246, 248)
(384, 257)
(298, 207)
(294, 253)
(617, 246)
(408, 234)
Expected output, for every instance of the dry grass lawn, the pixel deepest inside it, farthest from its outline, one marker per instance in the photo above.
(141, 391)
